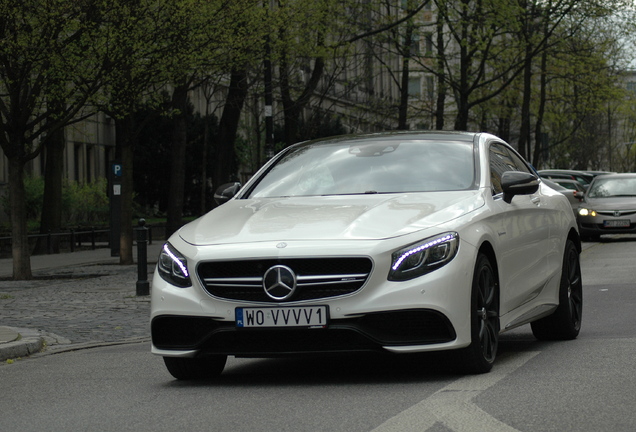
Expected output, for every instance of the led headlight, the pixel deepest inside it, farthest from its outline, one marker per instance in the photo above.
(423, 257)
(173, 267)
(586, 212)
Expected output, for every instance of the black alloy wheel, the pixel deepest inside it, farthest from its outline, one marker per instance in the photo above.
(480, 355)
(565, 322)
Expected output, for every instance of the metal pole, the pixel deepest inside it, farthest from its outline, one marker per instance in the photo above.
(143, 286)
(269, 101)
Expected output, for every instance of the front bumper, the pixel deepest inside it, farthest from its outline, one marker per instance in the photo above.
(594, 226)
(428, 313)
(371, 332)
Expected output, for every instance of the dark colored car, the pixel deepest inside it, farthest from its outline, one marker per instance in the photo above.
(609, 206)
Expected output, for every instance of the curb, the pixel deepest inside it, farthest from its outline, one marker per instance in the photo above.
(20, 342)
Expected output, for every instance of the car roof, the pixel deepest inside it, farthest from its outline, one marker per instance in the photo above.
(402, 135)
(616, 175)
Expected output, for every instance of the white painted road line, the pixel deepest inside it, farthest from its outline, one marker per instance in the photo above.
(452, 405)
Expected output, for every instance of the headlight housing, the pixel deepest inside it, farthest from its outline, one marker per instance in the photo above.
(586, 212)
(423, 257)
(173, 267)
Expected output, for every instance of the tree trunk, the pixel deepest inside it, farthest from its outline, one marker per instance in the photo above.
(225, 160)
(293, 108)
(51, 218)
(204, 159)
(524, 133)
(19, 233)
(178, 159)
(462, 92)
(440, 104)
(540, 151)
(403, 106)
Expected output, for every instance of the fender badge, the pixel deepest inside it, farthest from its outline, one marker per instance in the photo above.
(281, 245)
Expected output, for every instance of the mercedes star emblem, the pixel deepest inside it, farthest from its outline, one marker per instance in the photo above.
(279, 282)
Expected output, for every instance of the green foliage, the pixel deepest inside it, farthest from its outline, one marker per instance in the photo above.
(34, 191)
(85, 204)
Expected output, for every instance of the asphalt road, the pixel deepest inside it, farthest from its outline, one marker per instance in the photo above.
(582, 385)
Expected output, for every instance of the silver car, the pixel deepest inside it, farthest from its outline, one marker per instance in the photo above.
(609, 206)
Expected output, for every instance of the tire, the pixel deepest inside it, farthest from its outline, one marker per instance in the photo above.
(479, 356)
(565, 322)
(185, 368)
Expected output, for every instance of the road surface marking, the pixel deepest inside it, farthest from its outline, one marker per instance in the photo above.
(453, 407)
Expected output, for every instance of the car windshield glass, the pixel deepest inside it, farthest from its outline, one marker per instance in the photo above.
(612, 187)
(359, 167)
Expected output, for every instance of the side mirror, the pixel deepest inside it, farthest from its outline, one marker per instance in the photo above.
(226, 192)
(518, 183)
(579, 194)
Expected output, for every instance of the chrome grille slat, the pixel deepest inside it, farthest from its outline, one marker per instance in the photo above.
(611, 212)
(333, 277)
(329, 282)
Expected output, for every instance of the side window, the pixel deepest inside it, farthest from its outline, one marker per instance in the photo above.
(502, 160)
(519, 164)
(498, 166)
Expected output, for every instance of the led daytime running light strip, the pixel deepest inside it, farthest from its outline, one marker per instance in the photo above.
(421, 248)
(183, 268)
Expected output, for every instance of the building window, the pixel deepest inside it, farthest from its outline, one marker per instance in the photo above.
(415, 44)
(429, 45)
(77, 162)
(415, 87)
(430, 87)
(90, 161)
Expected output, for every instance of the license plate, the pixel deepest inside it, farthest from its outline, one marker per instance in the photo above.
(301, 316)
(622, 223)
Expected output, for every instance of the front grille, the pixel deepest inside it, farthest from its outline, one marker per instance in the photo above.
(616, 213)
(316, 277)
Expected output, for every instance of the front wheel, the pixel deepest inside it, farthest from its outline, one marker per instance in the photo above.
(480, 355)
(185, 368)
(565, 322)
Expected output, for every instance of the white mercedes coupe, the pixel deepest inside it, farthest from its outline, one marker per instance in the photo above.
(397, 242)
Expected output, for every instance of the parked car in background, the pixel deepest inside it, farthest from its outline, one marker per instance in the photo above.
(609, 206)
(581, 176)
(573, 185)
(575, 197)
(391, 242)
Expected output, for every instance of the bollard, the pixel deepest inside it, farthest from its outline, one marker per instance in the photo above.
(143, 286)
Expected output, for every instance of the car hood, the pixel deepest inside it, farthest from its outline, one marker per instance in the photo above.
(364, 217)
(611, 203)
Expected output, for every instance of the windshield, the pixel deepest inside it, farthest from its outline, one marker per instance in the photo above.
(370, 166)
(612, 187)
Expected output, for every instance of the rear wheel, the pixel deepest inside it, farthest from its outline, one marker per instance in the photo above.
(565, 322)
(185, 368)
(480, 355)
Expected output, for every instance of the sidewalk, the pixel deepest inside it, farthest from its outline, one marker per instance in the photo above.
(76, 299)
